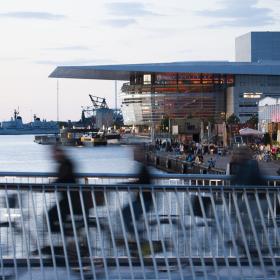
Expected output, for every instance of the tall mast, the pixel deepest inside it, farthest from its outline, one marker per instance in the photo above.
(57, 100)
(116, 94)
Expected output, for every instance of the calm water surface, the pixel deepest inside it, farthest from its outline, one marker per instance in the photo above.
(20, 153)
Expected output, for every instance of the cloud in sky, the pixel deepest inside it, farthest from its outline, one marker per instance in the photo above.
(32, 15)
(68, 48)
(239, 13)
(75, 62)
(119, 22)
(8, 58)
(125, 13)
(131, 9)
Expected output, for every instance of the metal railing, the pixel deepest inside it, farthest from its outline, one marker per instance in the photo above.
(180, 227)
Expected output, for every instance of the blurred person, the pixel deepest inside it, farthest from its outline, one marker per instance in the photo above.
(211, 163)
(143, 178)
(65, 176)
(245, 172)
(200, 158)
(181, 149)
(197, 160)
(190, 157)
(244, 168)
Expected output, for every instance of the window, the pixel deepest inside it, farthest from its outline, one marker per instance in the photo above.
(147, 79)
(248, 105)
(256, 95)
(246, 114)
(273, 81)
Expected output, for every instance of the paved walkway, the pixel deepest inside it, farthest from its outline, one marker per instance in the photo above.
(268, 168)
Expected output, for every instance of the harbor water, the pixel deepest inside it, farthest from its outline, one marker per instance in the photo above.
(21, 154)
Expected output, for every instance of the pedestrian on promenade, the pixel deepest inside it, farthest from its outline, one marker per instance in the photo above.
(211, 163)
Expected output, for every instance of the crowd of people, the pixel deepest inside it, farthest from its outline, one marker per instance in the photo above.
(193, 152)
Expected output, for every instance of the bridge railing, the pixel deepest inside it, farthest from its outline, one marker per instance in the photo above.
(115, 178)
(181, 226)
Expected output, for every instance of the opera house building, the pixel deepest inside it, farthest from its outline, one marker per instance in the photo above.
(190, 93)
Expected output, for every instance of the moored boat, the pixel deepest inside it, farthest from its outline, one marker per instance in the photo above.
(93, 139)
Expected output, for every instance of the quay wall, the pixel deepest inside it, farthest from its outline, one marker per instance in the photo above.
(172, 164)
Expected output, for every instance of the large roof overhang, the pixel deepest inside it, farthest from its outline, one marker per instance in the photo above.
(123, 71)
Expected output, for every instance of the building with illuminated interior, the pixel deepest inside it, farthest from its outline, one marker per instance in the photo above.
(189, 93)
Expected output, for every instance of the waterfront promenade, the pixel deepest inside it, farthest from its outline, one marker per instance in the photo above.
(267, 168)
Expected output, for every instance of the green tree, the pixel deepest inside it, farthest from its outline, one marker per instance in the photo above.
(233, 119)
(253, 121)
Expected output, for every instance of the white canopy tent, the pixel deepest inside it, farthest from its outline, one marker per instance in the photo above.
(249, 132)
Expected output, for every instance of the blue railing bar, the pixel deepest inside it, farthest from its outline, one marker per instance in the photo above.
(121, 175)
(38, 187)
(128, 175)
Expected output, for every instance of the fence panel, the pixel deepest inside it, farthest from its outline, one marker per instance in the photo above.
(180, 228)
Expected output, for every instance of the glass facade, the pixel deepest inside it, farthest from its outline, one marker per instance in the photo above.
(149, 98)
(269, 113)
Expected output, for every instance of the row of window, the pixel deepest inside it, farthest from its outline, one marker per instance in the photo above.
(171, 78)
(251, 95)
(248, 105)
(246, 114)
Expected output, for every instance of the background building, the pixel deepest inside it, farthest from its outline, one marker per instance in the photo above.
(269, 117)
(257, 46)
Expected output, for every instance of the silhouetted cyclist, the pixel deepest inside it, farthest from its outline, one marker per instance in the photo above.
(65, 175)
(144, 178)
(246, 172)
(244, 169)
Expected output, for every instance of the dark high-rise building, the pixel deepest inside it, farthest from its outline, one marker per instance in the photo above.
(258, 46)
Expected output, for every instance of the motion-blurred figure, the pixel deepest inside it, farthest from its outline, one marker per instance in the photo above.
(244, 168)
(144, 178)
(246, 172)
(65, 175)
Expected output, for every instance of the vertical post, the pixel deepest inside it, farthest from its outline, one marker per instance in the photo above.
(116, 94)
(201, 130)
(169, 127)
(57, 100)
(209, 131)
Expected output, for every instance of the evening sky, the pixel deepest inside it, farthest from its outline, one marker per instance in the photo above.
(37, 36)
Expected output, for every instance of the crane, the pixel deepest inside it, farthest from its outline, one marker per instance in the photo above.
(98, 102)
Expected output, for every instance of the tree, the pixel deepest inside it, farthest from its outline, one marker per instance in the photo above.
(253, 121)
(233, 119)
(267, 139)
(164, 124)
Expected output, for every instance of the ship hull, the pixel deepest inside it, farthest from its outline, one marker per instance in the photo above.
(28, 131)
